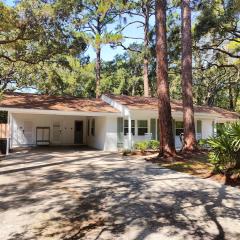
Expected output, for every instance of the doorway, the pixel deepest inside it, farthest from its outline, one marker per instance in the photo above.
(78, 133)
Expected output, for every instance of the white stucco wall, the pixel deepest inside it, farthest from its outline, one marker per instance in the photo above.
(67, 125)
(97, 141)
(105, 137)
(148, 115)
(110, 143)
(207, 128)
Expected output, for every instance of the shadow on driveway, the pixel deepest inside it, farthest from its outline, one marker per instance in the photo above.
(97, 195)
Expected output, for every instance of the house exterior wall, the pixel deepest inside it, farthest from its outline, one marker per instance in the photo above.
(105, 136)
(21, 136)
(206, 129)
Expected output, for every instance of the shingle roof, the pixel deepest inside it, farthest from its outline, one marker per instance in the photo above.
(151, 103)
(60, 103)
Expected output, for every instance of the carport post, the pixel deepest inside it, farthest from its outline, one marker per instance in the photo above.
(129, 133)
(8, 133)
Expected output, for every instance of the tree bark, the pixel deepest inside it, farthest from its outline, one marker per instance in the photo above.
(98, 71)
(146, 45)
(167, 146)
(190, 142)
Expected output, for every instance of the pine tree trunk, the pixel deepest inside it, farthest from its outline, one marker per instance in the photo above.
(146, 44)
(167, 146)
(188, 111)
(98, 71)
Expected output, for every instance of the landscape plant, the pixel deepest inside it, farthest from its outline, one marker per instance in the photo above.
(224, 151)
(147, 145)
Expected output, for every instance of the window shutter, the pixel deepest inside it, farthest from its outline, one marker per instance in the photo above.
(173, 127)
(158, 130)
(213, 128)
(199, 126)
(199, 130)
(119, 132)
(153, 128)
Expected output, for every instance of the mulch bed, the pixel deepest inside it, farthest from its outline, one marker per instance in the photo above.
(194, 163)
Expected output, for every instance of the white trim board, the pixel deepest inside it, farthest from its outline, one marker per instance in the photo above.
(57, 112)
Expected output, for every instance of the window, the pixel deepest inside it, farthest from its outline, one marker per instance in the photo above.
(142, 127)
(93, 127)
(179, 128)
(88, 127)
(126, 127)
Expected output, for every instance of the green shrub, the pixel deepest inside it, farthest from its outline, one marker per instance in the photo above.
(153, 144)
(144, 145)
(225, 148)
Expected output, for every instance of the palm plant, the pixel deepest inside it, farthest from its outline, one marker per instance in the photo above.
(225, 148)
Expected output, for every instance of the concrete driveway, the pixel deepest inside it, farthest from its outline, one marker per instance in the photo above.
(71, 194)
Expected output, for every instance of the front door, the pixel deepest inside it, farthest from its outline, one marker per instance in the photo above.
(78, 134)
(56, 133)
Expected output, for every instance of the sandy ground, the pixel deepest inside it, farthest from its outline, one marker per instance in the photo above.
(88, 194)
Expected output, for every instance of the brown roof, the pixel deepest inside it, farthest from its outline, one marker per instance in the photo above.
(151, 103)
(46, 102)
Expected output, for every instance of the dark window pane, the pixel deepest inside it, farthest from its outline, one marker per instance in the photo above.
(142, 131)
(126, 131)
(93, 127)
(179, 124)
(179, 131)
(133, 131)
(126, 127)
(142, 123)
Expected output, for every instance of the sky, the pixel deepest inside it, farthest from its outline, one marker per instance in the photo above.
(108, 53)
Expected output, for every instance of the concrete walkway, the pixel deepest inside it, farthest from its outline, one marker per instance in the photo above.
(70, 194)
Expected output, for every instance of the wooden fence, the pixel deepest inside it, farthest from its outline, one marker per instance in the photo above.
(4, 131)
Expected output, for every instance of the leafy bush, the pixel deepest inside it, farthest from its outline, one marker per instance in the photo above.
(225, 148)
(144, 145)
(153, 144)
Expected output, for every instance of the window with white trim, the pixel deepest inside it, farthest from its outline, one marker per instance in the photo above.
(179, 128)
(126, 127)
(142, 127)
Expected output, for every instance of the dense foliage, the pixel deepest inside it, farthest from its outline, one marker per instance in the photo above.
(43, 45)
(147, 145)
(225, 148)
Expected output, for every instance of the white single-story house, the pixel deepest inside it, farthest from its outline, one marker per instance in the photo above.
(99, 123)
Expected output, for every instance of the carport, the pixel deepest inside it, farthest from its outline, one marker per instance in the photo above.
(60, 121)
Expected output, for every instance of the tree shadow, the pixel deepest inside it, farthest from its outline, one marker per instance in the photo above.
(107, 197)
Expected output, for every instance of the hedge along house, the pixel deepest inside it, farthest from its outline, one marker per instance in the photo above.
(99, 123)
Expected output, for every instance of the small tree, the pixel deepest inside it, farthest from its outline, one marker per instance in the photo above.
(96, 17)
